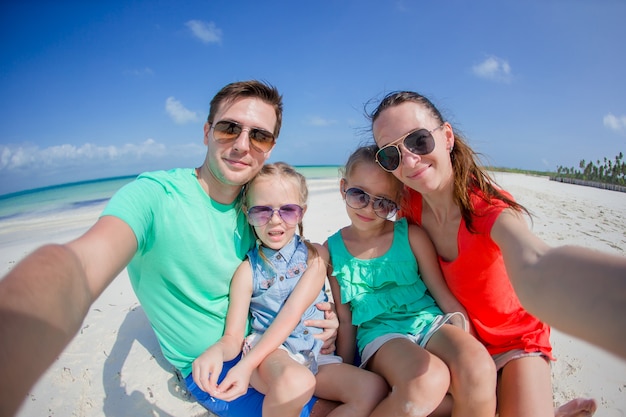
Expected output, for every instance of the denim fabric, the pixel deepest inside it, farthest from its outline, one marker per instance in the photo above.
(273, 282)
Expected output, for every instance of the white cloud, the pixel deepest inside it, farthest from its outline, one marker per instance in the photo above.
(206, 32)
(320, 121)
(139, 72)
(401, 6)
(25, 167)
(493, 68)
(616, 123)
(27, 157)
(179, 113)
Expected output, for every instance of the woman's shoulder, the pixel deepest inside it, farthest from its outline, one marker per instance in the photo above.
(487, 210)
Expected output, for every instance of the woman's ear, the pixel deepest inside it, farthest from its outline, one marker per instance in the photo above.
(449, 136)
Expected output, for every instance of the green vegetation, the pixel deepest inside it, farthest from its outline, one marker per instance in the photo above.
(521, 171)
(605, 172)
(608, 172)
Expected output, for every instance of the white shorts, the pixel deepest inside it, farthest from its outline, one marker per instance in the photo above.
(503, 358)
(303, 359)
(420, 339)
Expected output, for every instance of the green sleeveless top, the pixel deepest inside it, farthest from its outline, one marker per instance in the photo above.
(386, 294)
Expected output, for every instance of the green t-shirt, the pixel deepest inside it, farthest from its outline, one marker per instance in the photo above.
(188, 247)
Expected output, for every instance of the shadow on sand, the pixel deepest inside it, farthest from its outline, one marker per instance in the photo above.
(118, 401)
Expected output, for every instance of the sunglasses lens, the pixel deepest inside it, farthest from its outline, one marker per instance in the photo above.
(291, 214)
(260, 215)
(385, 208)
(420, 142)
(226, 130)
(388, 158)
(262, 140)
(357, 198)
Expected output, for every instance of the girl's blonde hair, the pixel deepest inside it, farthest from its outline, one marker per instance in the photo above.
(286, 172)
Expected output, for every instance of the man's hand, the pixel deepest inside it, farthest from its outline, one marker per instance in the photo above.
(329, 325)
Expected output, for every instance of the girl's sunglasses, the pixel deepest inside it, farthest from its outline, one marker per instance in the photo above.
(358, 199)
(261, 215)
(418, 142)
(260, 140)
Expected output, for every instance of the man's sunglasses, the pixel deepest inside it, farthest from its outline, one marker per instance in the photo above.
(418, 142)
(261, 215)
(358, 199)
(260, 140)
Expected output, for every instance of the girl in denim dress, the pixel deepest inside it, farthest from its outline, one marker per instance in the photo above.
(279, 284)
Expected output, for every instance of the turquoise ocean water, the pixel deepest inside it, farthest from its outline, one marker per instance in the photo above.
(65, 197)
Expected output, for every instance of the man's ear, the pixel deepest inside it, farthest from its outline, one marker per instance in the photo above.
(207, 129)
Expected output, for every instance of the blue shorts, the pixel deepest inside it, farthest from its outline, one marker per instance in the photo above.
(248, 405)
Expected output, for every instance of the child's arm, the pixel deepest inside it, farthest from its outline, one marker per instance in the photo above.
(346, 337)
(426, 257)
(302, 296)
(330, 323)
(208, 366)
(346, 334)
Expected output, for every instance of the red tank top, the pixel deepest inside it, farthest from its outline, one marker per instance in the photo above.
(478, 279)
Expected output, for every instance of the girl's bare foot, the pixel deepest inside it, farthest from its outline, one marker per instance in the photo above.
(579, 407)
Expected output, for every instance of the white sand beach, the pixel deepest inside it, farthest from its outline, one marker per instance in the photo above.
(114, 367)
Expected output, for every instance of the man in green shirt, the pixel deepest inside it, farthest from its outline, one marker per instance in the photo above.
(181, 234)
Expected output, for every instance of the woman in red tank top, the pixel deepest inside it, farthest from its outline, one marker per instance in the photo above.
(484, 246)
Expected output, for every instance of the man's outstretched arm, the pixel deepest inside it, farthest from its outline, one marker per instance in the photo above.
(45, 298)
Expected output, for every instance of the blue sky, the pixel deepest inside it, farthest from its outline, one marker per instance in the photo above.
(119, 87)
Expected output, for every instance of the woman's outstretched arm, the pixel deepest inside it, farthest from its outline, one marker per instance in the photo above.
(577, 290)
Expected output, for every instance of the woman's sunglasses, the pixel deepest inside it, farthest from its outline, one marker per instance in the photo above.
(261, 215)
(418, 142)
(358, 199)
(260, 140)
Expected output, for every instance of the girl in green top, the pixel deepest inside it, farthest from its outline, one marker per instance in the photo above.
(393, 307)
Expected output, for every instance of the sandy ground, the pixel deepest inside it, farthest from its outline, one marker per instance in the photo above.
(114, 367)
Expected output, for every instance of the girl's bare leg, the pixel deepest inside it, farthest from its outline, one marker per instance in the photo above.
(444, 409)
(525, 388)
(472, 372)
(287, 385)
(418, 379)
(358, 391)
(322, 408)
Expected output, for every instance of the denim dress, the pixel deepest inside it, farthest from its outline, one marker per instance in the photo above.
(272, 283)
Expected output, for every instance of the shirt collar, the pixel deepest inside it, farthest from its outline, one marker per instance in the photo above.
(286, 252)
